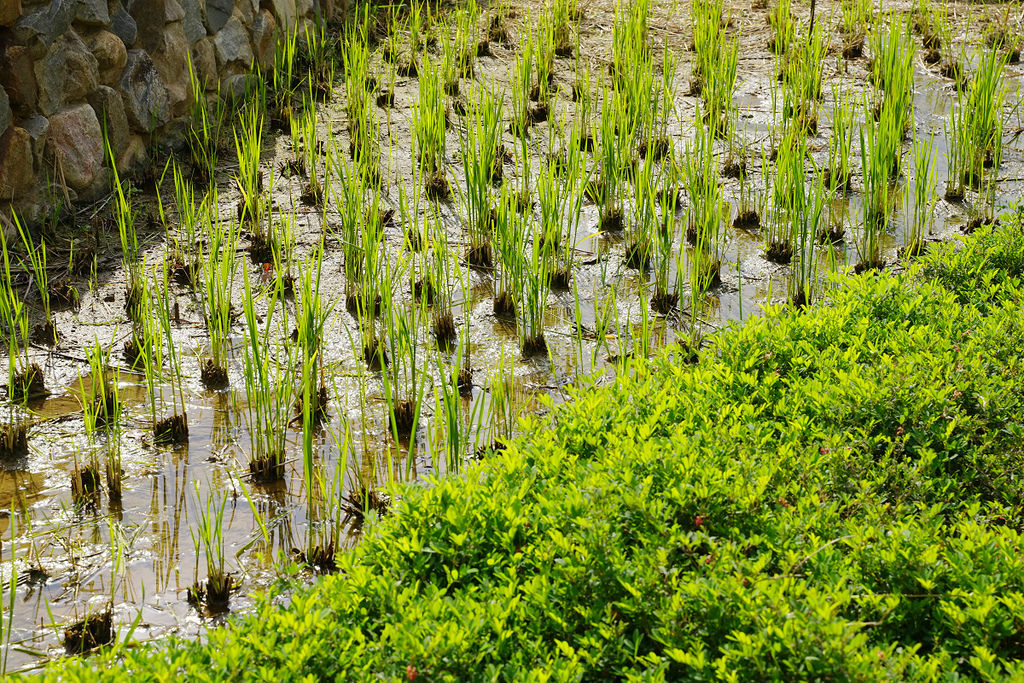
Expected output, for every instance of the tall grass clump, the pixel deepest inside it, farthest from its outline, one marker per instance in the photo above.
(480, 145)
(430, 129)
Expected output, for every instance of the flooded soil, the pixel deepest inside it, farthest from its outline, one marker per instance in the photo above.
(139, 556)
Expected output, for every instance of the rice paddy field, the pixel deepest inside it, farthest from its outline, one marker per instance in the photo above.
(423, 224)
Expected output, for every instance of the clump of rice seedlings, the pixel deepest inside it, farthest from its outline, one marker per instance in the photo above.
(509, 237)
(522, 73)
(184, 254)
(660, 144)
(878, 144)
(449, 60)
(206, 119)
(429, 126)
(208, 539)
(778, 239)
(359, 104)
(633, 76)
(705, 213)
(316, 55)
(248, 134)
(43, 332)
(131, 255)
(615, 140)
(89, 633)
(369, 301)
(311, 321)
(1001, 35)
(415, 23)
(402, 385)
(543, 90)
(977, 121)
(921, 212)
(101, 408)
(715, 66)
(892, 71)
(24, 377)
(666, 292)
(640, 231)
(13, 438)
(856, 16)
(570, 192)
(466, 42)
(533, 304)
(583, 110)
(801, 76)
(440, 265)
(504, 409)
(313, 193)
(748, 212)
(268, 369)
(840, 144)
(173, 429)
(783, 26)
(497, 30)
(284, 78)
(479, 146)
(219, 270)
(361, 502)
(447, 409)
(805, 217)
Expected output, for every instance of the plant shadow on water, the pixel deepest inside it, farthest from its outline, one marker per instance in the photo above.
(284, 347)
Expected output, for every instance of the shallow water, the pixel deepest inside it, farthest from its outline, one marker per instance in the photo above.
(62, 553)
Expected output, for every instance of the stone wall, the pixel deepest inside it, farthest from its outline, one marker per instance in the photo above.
(70, 67)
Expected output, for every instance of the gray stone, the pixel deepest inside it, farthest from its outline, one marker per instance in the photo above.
(173, 11)
(149, 17)
(284, 11)
(17, 174)
(67, 73)
(109, 108)
(145, 97)
(10, 10)
(6, 115)
(75, 145)
(217, 14)
(263, 30)
(110, 54)
(124, 27)
(18, 77)
(37, 127)
(92, 13)
(232, 44)
(40, 27)
(170, 56)
(194, 11)
(204, 61)
(246, 10)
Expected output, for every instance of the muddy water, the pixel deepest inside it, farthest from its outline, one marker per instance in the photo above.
(64, 555)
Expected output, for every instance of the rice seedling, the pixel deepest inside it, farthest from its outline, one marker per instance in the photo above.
(184, 253)
(876, 152)
(24, 377)
(801, 75)
(313, 193)
(706, 211)
(666, 293)
(840, 143)
(615, 137)
(480, 143)
(43, 332)
(219, 270)
(805, 215)
(447, 408)
(311, 322)
(521, 77)
(101, 409)
(173, 429)
(316, 54)
(131, 255)
(268, 369)
(660, 145)
(466, 42)
(429, 125)
(509, 237)
(856, 16)
(283, 84)
(715, 66)
(536, 283)
(248, 134)
(359, 103)
(543, 90)
(783, 26)
(208, 538)
(640, 231)
(977, 121)
(787, 189)
(920, 214)
(206, 120)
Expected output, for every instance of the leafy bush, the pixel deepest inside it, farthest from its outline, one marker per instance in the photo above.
(833, 494)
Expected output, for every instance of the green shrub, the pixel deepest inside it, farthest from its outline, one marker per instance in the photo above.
(833, 494)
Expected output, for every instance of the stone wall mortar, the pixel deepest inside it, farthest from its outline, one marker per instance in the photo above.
(70, 68)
